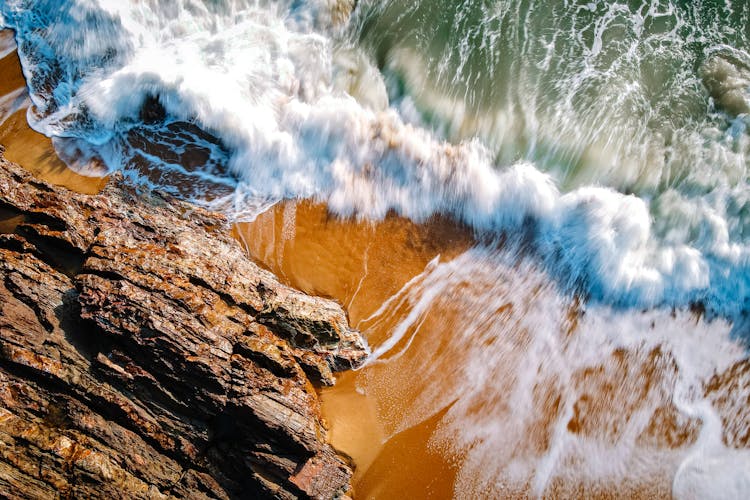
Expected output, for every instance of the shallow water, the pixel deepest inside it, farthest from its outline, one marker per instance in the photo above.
(22, 144)
(535, 213)
(486, 381)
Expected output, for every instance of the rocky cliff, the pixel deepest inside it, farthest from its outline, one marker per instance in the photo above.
(142, 355)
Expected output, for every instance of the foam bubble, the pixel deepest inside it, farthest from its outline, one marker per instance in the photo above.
(714, 476)
(538, 395)
(299, 113)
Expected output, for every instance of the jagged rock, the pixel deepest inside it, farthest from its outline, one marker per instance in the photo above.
(142, 355)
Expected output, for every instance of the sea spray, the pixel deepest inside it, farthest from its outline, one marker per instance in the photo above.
(268, 80)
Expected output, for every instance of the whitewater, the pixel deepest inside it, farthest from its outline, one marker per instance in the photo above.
(598, 151)
(301, 110)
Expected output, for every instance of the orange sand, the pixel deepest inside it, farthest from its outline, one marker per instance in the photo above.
(361, 265)
(28, 147)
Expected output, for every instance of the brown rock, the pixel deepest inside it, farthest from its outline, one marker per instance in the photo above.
(142, 355)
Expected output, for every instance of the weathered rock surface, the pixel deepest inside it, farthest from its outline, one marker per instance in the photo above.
(142, 355)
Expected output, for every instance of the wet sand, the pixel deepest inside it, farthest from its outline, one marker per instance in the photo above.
(406, 454)
(23, 145)
(361, 265)
(397, 417)
(499, 356)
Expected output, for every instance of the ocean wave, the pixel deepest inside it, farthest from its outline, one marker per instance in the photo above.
(292, 107)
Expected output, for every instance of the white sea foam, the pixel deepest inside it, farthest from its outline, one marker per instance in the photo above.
(12, 102)
(268, 79)
(299, 116)
(529, 399)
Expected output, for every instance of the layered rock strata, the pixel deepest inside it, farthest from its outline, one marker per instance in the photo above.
(142, 355)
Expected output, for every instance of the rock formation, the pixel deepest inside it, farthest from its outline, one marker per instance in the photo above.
(142, 355)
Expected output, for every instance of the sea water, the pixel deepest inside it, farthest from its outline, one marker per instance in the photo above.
(601, 145)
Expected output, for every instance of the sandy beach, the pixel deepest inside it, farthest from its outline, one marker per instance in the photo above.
(534, 331)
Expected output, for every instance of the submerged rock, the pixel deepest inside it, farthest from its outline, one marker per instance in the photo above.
(142, 355)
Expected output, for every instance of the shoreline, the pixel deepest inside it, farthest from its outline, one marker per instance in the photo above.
(31, 148)
(22, 144)
(403, 418)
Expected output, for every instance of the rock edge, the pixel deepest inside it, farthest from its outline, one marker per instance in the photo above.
(142, 355)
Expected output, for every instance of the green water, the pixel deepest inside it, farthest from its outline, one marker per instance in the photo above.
(594, 92)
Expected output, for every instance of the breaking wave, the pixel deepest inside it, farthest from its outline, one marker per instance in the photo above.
(613, 137)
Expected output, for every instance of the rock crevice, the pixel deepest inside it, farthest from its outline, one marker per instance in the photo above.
(143, 355)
